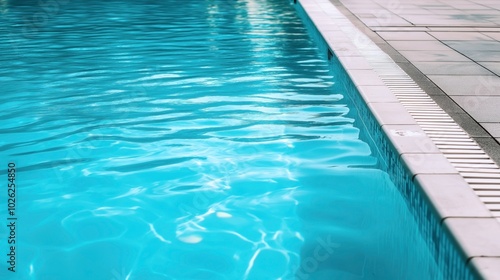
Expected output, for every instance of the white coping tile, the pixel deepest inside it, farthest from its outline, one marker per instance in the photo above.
(427, 164)
(391, 113)
(409, 139)
(487, 268)
(341, 45)
(326, 28)
(478, 237)
(463, 202)
(376, 94)
(347, 53)
(337, 37)
(365, 77)
(355, 62)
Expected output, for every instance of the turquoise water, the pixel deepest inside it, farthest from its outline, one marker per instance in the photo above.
(188, 140)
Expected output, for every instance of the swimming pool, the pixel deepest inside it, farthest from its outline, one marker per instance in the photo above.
(208, 140)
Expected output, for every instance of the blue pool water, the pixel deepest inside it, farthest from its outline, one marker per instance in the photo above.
(189, 140)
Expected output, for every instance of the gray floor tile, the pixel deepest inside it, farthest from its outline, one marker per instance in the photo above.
(483, 56)
(481, 45)
(433, 56)
(448, 22)
(481, 108)
(466, 8)
(446, 11)
(451, 68)
(460, 36)
(434, 6)
(492, 66)
(492, 128)
(407, 36)
(493, 35)
(421, 46)
(452, 29)
(468, 85)
(484, 14)
(400, 28)
(384, 21)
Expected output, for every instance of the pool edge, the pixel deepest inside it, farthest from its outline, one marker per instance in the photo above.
(474, 228)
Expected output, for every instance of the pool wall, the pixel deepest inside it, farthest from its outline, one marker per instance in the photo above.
(461, 232)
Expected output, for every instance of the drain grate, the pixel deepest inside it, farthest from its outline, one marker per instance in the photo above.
(475, 166)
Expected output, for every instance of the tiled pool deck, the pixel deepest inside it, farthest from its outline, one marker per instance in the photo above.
(450, 51)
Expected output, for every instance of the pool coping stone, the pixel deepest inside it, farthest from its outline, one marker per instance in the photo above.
(487, 268)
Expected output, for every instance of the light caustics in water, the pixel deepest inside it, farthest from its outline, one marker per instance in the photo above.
(189, 140)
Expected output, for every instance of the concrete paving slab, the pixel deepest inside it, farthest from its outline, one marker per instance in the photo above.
(492, 66)
(409, 36)
(482, 109)
(400, 28)
(421, 46)
(381, 21)
(451, 68)
(454, 29)
(492, 128)
(458, 12)
(449, 55)
(473, 45)
(493, 35)
(483, 56)
(460, 36)
(467, 7)
(478, 86)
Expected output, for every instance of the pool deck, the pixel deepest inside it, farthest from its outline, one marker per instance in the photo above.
(406, 58)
